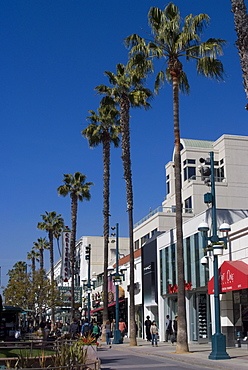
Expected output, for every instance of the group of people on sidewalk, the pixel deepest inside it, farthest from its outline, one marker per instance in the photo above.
(170, 330)
(85, 329)
(96, 330)
(110, 327)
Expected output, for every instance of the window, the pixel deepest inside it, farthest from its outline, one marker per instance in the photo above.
(188, 205)
(189, 161)
(219, 174)
(189, 173)
(136, 244)
(168, 184)
(144, 239)
(154, 231)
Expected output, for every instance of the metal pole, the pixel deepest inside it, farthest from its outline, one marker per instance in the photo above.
(218, 339)
(117, 334)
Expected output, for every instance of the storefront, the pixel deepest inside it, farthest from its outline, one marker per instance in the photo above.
(10, 321)
(149, 280)
(196, 279)
(233, 283)
(97, 312)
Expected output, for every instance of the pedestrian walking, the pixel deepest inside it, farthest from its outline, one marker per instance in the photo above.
(154, 334)
(113, 327)
(122, 328)
(148, 324)
(86, 328)
(168, 328)
(108, 333)
(74, 329)
(174, 330)
(95, 331)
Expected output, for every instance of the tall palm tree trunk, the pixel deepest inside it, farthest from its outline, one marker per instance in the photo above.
(42, 259)
(33, 268)
(182, 343)
(50, 236)
(241, 26)
(126, 159)
(72, 251)
(106, 194)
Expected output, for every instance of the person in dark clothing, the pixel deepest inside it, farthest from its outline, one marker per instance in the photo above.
(148, 324)
(168, 328)
(74, 329)
(86, 328)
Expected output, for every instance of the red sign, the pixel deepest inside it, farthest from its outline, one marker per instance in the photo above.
(233, 275)
(174, 288)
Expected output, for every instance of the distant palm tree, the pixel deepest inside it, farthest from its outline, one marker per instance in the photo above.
(171, 40)
(128, 91)
(104, 128)
(33, 256)
(51, 224)
(79, 190)
(241, 26)
(41, 245)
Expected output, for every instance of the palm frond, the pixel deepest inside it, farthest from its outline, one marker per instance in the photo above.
(159, 81)
(210, 67)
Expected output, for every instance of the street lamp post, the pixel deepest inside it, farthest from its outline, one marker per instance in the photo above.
(117, 281)
(218, 339)
(88, 283)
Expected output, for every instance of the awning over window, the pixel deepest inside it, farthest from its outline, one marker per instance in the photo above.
(101, 308)
(233, 275)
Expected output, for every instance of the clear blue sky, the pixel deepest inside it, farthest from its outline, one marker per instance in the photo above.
(53, 54)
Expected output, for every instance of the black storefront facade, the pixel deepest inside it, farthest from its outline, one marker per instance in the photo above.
(150, 279)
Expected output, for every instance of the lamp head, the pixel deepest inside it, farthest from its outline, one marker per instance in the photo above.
(225, 227)
(203, 226)
(204, 260)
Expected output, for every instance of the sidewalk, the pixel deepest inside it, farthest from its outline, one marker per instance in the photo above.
(198, 354)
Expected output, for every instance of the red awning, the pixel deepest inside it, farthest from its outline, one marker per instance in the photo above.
(101, 308)
(233, 275)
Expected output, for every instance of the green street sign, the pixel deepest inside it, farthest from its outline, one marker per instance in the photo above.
(65, 292)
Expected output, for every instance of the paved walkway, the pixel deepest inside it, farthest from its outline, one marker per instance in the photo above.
(198, 354)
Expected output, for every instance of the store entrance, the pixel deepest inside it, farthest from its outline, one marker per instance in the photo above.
(240, 313)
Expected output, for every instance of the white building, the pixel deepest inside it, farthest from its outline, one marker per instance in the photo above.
(231, 174)
(230, 152)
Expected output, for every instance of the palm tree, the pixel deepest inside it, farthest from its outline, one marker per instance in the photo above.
(33, 256)
(241, 26)
(79, 190)
(41, 245)
(128, 91)
(104, 129)
(171, 40)
(51, 224)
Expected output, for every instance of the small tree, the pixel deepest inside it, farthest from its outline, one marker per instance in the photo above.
(18, 289)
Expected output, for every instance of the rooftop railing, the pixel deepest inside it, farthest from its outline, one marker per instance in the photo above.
(162, 209)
